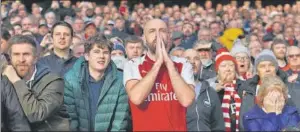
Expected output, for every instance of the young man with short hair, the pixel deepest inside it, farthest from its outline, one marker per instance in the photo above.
(94, 94)
(279, 47)
(61, 58)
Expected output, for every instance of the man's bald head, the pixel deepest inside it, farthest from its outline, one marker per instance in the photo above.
(153, 23)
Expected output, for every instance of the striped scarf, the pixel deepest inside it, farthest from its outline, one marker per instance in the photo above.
(230, 93)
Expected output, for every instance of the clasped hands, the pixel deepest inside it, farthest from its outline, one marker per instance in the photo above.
(161, 54)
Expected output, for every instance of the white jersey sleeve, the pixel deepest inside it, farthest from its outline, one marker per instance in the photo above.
(187, 70)
(131, 70)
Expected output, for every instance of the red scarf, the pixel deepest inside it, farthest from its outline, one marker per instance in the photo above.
(243, 76)
(230, 93)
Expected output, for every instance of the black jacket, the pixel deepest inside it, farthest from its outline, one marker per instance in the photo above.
(251, 84)
(12, 114)
(205, 114)
(208, 72)
(58, 65)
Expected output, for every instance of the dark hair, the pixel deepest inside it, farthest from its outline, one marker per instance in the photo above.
(278, 41)
(187, 23)
(21, 39)
(98, 40)
(62, 23)
(133, 39)
(214, 22)
(5, 34)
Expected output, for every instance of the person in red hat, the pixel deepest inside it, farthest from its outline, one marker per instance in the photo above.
(228, 88)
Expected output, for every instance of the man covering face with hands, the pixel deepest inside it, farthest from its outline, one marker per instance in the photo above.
(159, 87)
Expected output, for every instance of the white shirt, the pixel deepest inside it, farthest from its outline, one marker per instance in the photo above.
(132, 72)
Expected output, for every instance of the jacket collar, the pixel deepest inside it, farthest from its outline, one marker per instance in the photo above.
(32, 76)
(204, 86)
(109, 77)
(70, 56)
(258, 113)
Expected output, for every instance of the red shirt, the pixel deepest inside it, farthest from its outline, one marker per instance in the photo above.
(285, 68)
(161, 110)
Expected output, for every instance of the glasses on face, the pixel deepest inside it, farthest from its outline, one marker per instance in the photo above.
(203, 50)
(239, 58)
(294, 55)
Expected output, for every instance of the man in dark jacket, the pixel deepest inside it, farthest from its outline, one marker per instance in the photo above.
(189, 36)
(204, 48)
(276, 30)
(61, 58)
(205, 114)
(12, 115)
(66, 9)
(94, 94)
(120, 30)
(39, 91)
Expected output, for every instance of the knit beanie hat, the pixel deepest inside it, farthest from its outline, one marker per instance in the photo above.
(265, 55)
(223, 56)
(239, 48)
(119, 47)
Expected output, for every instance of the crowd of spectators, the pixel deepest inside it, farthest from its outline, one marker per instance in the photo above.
(106, 67)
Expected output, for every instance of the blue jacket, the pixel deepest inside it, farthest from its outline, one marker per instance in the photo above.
(112, 112)
(257, 120)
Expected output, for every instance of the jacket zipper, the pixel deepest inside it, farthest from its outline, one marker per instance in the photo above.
(197, 117)
(197, 112)
(89, 107)
(86, 96)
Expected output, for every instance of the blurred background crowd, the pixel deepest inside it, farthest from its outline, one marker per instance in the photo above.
(253, 32)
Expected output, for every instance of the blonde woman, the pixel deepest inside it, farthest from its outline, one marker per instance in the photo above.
(271, 112)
